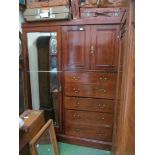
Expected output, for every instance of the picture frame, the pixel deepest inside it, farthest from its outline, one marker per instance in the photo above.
(45, 137)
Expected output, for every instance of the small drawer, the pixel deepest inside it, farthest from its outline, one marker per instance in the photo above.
(90, 118)
(88, 131)
(89, 104)
(90, 78)
(91, 90)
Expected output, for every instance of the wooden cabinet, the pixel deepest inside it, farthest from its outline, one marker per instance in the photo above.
(90, 56)
(90, 47)
(82, 98)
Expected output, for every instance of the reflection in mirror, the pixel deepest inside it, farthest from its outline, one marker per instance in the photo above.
(43, 68)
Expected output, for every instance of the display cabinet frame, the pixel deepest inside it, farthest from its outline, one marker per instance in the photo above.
(28, 97)
(48, 126)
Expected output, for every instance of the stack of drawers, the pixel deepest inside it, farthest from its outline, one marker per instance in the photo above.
(89, 104)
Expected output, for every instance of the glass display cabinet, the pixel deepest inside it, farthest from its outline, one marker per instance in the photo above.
(44, 72)
(45, 143)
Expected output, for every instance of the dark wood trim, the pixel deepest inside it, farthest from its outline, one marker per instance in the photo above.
(21, 66)
(28, 100)
(124, 133)
(85, 142)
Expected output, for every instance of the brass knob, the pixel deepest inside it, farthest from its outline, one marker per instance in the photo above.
(77, 104)
(102, 118)
(92, 49)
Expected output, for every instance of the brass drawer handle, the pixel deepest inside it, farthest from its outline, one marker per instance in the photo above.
(76, 90)
(77, 130)
(76, 116)
(76, 78)
(103, 78)
(100, 134)
(101, 90)
(107, 126)
(101, 105)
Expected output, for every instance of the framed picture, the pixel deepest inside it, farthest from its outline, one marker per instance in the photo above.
(44, 142)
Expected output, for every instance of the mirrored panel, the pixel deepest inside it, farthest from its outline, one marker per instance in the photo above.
(43, 68)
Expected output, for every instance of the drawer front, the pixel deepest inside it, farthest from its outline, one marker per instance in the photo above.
(92, 90)
(90, 77)
(87, 131)
(90, 118)
(89, 104)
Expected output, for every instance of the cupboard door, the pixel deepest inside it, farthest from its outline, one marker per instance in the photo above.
(104, 50)
(76, 47)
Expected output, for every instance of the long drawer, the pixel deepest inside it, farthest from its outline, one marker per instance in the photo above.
(90, 118)
(88, 131)
(89, 104)
(91, 90)
(90, 77)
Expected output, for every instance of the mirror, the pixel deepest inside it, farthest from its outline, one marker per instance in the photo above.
(43, 69)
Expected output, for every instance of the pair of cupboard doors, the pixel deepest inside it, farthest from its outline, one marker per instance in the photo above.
(90, 47)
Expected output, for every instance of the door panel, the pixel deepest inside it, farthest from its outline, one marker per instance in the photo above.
(76, 47)
(104, 51)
